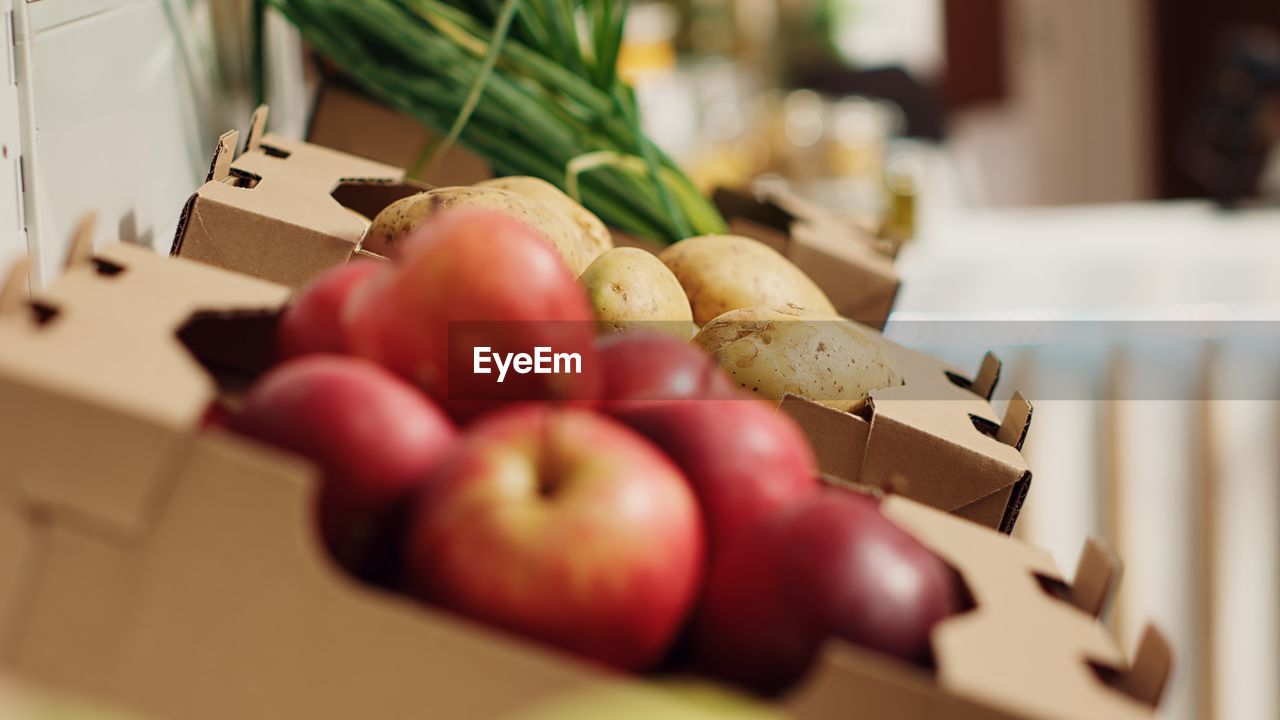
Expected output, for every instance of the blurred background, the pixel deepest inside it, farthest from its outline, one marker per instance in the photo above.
(1091, 188)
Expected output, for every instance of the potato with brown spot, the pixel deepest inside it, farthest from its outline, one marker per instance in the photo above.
(720, 273)
(775, 351)
(399, 219)
(593, 236)
(631, 289)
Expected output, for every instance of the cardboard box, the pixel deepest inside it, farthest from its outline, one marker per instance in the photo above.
(281, 211)
(176, 572)
(934, 439)
(854, 272)
(348, 120)
(21, 700)
(284, 210)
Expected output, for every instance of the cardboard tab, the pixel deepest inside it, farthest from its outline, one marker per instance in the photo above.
(16, 286)
(223, 154)
(985, 381)
(1152, 665)
(257, 128)
(103, 372)
(1017, 422)
(287, 222)
(80, 249)
(1097, 576)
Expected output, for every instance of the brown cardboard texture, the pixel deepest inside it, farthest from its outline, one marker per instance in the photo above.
(859, 279)
(348, 120)
(176, 572)
(284, 210)
(934, 439)
(1025, 650)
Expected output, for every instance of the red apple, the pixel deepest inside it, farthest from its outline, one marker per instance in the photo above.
(564, 526)
(217, 415)
(312, 323)
(641, 366)
(744, 459)
(468, 280)
(375, 437)
(833, 566)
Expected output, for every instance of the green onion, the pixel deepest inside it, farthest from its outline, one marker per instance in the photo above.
(530, 85)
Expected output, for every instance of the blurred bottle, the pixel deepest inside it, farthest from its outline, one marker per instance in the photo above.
(647, 61)
(902, 181)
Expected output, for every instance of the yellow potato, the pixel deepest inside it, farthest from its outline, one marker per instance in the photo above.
(592, 234)
(775, 351)
(631, 289)
(398, 219)
(720, 273)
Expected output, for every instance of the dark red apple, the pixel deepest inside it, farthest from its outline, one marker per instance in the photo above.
(831, 567)
(563, 526)
(312, 323)
(468, 282)
(745, 460)
(641, 366)
(375, 437)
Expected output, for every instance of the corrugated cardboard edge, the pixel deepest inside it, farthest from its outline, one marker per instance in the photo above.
(876, 449)
(1003, 576)
(146, 622)
(221, 227)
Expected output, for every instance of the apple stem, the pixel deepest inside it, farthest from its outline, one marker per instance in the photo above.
(546, 476)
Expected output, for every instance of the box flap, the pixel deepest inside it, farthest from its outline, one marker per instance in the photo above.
(858, 279)
(284, 210)
(861, 282)
(1021, 648)
(95, 438)
(228, 609)
(838, 439)
(931, 427)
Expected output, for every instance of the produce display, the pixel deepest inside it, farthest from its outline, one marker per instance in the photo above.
(758, 315)
(452, 291)
(643, 512)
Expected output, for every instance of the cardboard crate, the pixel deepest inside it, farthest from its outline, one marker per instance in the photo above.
(284, 210)
(281, 211)
(855, 272)
(177, 573)
(934, 439)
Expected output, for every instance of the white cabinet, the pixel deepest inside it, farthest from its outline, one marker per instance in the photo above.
(114, 107)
